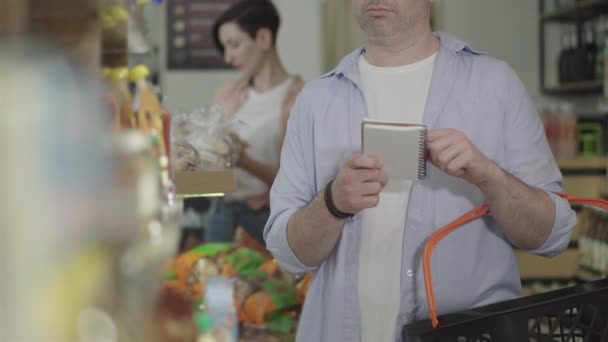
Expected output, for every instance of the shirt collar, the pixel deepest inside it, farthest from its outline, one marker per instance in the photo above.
(349, 64)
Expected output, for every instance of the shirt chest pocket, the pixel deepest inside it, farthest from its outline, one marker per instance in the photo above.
(481, 121)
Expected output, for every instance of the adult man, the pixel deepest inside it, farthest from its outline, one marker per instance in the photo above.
(486, 144)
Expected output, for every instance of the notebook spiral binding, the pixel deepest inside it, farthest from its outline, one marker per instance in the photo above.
(422, 155)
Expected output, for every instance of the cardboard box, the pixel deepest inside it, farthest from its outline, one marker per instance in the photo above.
(532, 266)
(205, 183)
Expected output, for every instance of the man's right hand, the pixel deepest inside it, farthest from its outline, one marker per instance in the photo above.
(359, 184)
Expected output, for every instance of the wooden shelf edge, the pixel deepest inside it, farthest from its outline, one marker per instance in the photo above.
(205, 183)
(582, 87)
(582, 163)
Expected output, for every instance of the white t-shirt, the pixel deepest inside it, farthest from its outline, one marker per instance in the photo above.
(392, 94)
(260, 126)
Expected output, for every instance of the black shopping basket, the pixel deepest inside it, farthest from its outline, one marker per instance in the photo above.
(576, 314)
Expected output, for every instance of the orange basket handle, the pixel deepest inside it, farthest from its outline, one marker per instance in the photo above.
(474, 214)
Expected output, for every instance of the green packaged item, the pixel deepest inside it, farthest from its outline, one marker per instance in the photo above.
(280, 323)
(283, 294)
(171, 275)
(212, 249)
(204, 322)
(245, 260)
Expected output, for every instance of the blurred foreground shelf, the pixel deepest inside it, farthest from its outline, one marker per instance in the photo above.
(214, 183)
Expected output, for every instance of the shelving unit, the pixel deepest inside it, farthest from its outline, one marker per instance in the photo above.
(575, 88)
(584, 176)
(578, 14)
(584, 9)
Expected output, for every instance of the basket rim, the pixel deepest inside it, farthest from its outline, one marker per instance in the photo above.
(565, 298)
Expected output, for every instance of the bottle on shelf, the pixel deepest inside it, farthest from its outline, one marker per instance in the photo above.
(600, 27)
(589, 54)
(152, 118)
(575, 59)
(605, 59)
(550, 119)
(564, 60)
(120, 79)
(567, 141)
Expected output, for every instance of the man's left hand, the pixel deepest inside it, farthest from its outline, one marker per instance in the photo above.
(451, 151)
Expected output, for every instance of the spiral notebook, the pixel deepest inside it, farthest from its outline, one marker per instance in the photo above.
(401, 146)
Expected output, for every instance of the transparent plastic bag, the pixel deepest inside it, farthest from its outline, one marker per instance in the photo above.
(204, 140)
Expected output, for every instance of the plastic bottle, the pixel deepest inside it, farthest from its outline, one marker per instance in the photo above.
(575, 59)
(204, 322)
(605, 58)
(219, 306)
(568, 135)
(120, 79)
(590, 54)
(563, 60)
(551, 123)
(601, 45)
(152, 118)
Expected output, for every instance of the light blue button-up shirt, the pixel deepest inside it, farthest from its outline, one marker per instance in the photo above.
(475, 265)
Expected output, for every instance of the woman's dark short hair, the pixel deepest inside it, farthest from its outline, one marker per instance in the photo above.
(250, 16)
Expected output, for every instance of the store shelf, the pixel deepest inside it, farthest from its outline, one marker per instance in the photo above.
(583, 176)
(578, 163)
(581, 87)
(585, 9)
(205, 183)
(563, 266)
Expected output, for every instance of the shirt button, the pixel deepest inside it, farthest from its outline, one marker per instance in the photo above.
(410, 273)
(413, 228)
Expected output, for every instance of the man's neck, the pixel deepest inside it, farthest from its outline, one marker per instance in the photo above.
(401, 49)
(271, 74)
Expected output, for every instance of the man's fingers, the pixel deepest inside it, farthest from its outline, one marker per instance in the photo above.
(360, 161)
(435, 134)
(371, 188)
(456, 166)
(370, 201)
(442, 158)
(370, 175)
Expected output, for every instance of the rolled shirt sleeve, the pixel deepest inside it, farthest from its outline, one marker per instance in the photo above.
(530, 159)
(294, 186)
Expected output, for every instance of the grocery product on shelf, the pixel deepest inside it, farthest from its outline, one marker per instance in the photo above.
(266, 300)
(561, 128)
(593, 242)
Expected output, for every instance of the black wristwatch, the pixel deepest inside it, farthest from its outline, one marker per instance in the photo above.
(331, 207)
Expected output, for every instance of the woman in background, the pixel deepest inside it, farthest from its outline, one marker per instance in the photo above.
(261, 99)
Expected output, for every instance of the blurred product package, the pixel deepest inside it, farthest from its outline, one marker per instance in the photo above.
(79, 250)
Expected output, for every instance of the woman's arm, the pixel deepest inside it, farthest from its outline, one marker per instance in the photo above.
(292, 93)
(268, 172)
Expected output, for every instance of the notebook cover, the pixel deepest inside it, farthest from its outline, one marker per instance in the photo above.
(401, 146)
